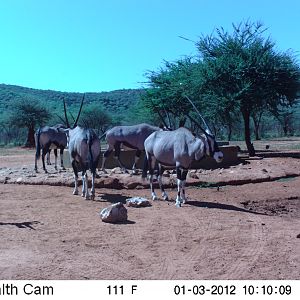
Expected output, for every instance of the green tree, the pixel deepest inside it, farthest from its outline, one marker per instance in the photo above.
(28, 113)
(237, 75)
(244, 68)
(285, 116)
(94, 116)
(170, 86)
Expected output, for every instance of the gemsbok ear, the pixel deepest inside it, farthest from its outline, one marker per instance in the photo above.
(208, 131)
(63, 130)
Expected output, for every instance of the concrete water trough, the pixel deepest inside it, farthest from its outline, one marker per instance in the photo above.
(127, 158)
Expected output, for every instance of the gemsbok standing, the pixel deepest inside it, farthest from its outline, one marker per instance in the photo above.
(84, 150)
(48, 160)
(132, 137)
(177, 148)
(47, 138)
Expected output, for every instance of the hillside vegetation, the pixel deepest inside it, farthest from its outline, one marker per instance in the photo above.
(122, 106)
(100, 111)
(118, 103)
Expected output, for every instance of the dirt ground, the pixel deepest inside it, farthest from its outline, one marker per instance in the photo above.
(242, 222)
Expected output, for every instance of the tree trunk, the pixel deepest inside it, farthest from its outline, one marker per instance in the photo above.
(256, 129)
(250, 147)
(30, 137)
(7, 134)
(229, 132)
(256, 117)
(285, 129)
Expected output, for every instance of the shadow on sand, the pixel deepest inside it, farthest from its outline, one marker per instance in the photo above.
(112, 198)
(21, 224)
(221, 206)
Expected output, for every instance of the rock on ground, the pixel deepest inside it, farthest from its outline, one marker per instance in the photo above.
(114, 213)
(137, 202)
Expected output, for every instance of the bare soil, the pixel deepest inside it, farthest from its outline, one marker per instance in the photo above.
(242, 222)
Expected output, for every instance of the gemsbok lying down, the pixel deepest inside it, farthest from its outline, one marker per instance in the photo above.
(84, 150)
(178, 148)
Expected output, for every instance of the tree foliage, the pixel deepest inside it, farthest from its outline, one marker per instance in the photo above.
(28, 113)
(94, 116)
(238, 80)
(168, 89)
(120, 105)
(245, 69)
(236, 75)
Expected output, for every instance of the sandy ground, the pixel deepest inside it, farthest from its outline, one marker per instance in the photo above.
(243, 229)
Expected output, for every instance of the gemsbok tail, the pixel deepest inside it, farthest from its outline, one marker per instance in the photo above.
(92, 162)
(37, 144)
(145, 167)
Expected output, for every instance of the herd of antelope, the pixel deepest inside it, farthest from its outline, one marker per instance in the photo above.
(164, 148)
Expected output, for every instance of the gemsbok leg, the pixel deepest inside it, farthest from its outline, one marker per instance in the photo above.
(85, 187)
(93, 186)
(117, 156)
(55, 155)
(181, 181)
(44, 152)
(105, 156)
(151, 164)
(62, 158)
(159, 178)
(48, 157)
(75, 191)
(136, 159)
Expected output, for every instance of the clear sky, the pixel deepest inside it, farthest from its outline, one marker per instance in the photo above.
(104, 45)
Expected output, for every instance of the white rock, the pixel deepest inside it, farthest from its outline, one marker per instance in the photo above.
(137, 202)
(114, 213)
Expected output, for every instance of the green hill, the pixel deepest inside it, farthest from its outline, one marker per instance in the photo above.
(118, 103)
(122, 106)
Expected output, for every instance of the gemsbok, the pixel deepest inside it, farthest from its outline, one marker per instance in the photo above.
(47, 138)
(84, 150)
(132, 137)
(177, 149)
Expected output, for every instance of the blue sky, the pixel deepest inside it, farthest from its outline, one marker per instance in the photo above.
(104, 45)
